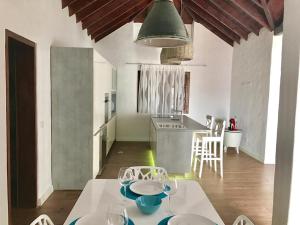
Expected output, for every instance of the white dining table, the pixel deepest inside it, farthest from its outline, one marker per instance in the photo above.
(99, 194)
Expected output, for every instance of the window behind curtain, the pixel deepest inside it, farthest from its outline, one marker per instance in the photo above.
(186, 91)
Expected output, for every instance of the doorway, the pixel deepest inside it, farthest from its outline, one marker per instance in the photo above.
(21, 122)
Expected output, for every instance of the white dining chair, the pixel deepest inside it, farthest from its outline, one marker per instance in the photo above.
(211, 148)
(42, 220)
(243, 220)
(196, 144)
(148, 173)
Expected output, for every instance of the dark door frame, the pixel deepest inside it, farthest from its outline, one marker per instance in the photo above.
(8, 35)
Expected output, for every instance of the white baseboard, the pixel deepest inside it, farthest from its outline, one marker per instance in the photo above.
(270, 162)
(45, 196)
(252, 155)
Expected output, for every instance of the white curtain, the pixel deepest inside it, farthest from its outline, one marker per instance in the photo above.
(161, 89)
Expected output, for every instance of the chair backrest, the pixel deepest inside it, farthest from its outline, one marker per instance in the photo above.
(220, 127)
(148, 173)
(42, 220)
(243, 220)
(210, 122)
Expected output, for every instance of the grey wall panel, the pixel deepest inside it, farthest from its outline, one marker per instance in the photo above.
(72, 117)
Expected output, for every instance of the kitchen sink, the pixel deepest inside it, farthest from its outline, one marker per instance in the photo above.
(170, 125)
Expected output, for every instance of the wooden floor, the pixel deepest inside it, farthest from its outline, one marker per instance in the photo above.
(247, 187)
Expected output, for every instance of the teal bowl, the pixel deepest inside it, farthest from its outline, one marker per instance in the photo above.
(148, 204)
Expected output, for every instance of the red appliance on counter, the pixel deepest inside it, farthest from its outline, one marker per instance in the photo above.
(232, 124)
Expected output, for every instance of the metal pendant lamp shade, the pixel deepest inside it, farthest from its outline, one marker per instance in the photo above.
(182, 53)
(165, 61)
(163, 27)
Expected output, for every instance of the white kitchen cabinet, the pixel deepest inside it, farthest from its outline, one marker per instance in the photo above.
(96, 154)
(111, 133)
(99, 105)
(102, 86)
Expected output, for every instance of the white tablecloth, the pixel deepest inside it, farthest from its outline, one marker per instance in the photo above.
(99, 194)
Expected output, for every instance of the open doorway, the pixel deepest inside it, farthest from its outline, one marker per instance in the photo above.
(21, 122)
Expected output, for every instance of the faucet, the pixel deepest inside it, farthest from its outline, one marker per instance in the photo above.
(181, 114)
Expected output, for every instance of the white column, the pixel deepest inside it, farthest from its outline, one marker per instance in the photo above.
(287, 186)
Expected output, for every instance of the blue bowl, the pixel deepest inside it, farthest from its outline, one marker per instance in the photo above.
(148, 204)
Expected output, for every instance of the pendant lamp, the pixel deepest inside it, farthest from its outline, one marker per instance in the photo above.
(163, 27)
(182, 53)
(165, 61)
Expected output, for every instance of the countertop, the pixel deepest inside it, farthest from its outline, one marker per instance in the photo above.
(188, 123)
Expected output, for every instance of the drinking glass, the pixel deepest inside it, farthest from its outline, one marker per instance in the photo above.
(170, 187)
(125, 177)
(117, 215)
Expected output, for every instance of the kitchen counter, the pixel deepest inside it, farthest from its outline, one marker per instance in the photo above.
(171, 142)
(187, 123)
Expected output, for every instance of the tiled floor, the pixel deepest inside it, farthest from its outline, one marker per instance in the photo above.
(247, 187)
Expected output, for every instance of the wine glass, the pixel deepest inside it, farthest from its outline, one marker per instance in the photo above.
(170, 187)
(117, 215)
(125, 177)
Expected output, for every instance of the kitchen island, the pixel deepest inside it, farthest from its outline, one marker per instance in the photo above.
(171, 142)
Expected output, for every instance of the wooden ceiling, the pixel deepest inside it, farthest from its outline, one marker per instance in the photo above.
(231, 20)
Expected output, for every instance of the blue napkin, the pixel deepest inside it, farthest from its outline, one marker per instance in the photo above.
(73, 223)
(165, 221)
(130, 222)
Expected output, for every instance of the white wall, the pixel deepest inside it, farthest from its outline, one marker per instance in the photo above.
(45, 23)
(210, 86)
(250, 90)
(130, 125)
(273, 105)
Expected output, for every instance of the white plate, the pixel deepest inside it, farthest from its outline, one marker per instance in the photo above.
(148, 187)
(190, 219)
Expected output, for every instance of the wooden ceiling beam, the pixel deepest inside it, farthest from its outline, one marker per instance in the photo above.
(118, 14)
(236, 14)
(141, 17)
(219, 15)
(268, 14)
(276, 8)
(113, 28)
(255, 12)
(257, 3)
(105, 9)
(78, 5)
(199, 13)
(92, 8)
(65, 3)
(105, 16)
(211, 28)
(187, 19)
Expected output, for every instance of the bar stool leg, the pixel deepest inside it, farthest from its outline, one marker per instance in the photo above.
(215, 155)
